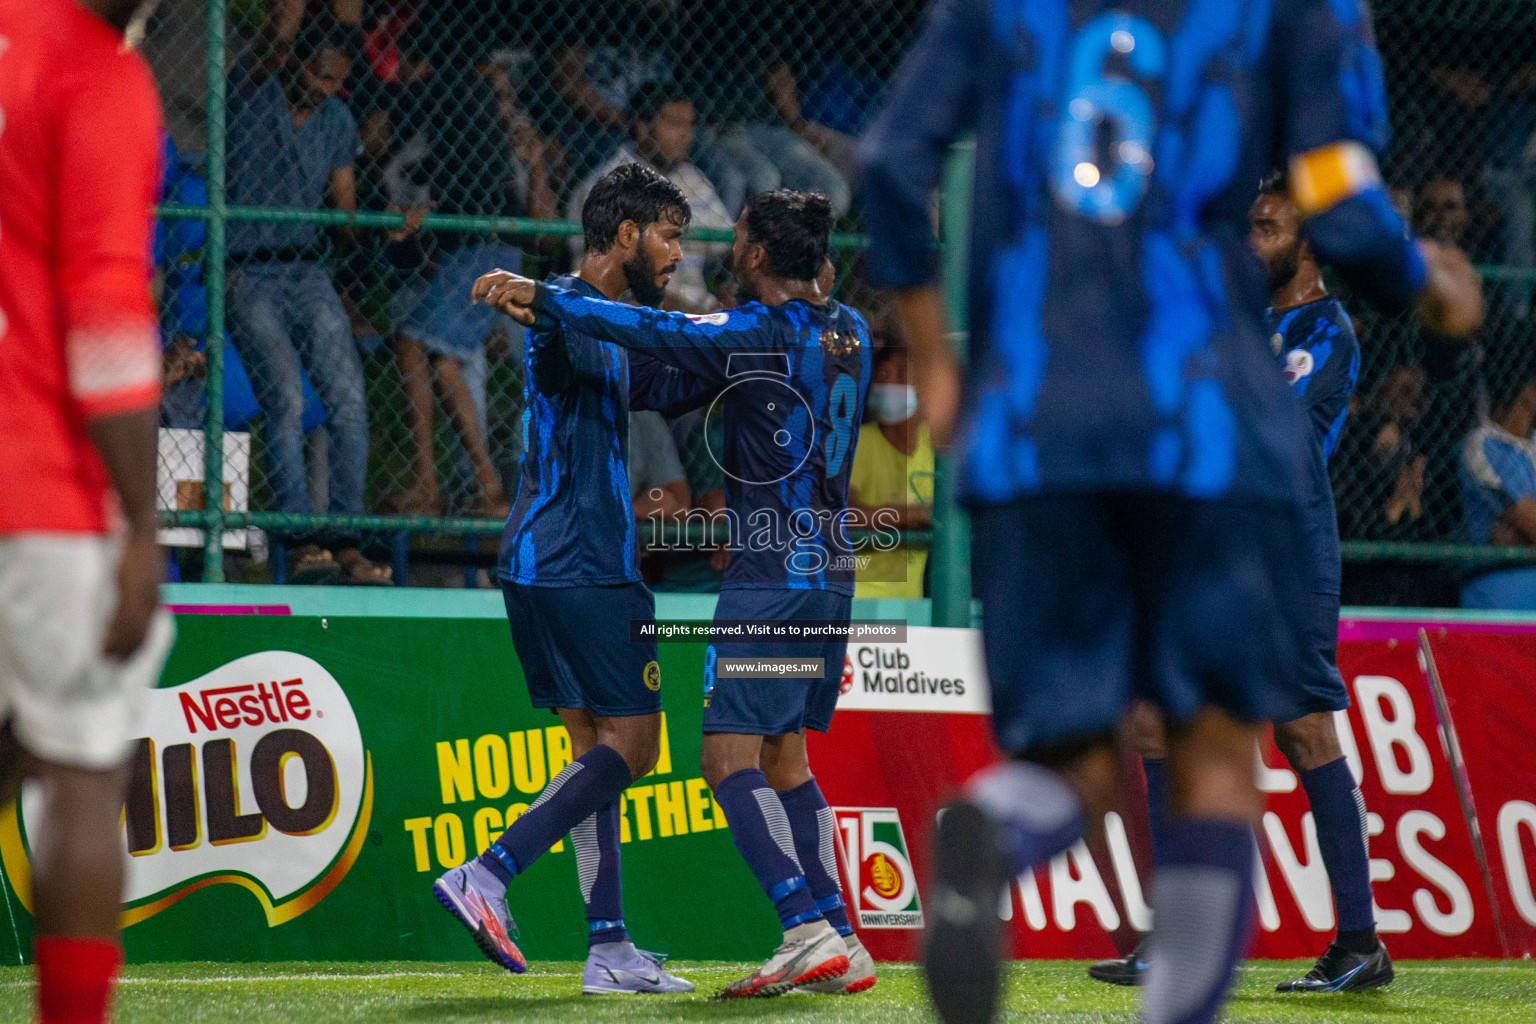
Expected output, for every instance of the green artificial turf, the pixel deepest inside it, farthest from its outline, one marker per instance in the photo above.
(1445, 992)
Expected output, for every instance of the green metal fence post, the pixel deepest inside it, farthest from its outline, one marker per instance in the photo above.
(951, 527)
(213, 279)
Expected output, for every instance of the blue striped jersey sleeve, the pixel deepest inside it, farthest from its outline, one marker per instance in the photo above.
(698, 344)
(1335, 123)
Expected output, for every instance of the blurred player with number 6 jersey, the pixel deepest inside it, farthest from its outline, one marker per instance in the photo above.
(1133, 462)
(80, 634)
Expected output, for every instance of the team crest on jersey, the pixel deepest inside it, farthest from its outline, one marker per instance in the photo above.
(652, 676)
(1298, 364)
(881, 881)
(839, 343)
(713, 319)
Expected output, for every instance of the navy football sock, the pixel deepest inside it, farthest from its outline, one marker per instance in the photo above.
(811, 821)
(1200, 904)
(1338, 810)
(1157, 806)
(761, 832)
(597, 869)
(1037, 814)
(586, 785)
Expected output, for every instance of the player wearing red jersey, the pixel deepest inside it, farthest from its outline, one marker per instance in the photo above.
(80, 637)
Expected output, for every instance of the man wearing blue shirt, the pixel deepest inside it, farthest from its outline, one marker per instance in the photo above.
(1498, 488)
(1133, 462)
(569, 572)
(1314, 341)
(292, 142)
(792, 369)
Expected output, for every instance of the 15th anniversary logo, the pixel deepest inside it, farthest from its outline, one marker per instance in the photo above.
(253, 775)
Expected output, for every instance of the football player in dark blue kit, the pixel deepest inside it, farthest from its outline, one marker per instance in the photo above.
(791, 368)
(1314, 340)
(569, 573)
(1133, 462)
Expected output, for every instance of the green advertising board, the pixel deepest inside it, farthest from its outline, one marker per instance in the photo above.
(266, 825)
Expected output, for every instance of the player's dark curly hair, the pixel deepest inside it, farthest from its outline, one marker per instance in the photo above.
(630, 192)
(793, 228)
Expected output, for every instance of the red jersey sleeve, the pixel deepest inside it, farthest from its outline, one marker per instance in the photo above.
(109, 175)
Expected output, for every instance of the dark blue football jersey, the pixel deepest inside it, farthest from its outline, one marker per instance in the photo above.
(1321, 357)
(1116, 312)
(572, 523)
(792, 380)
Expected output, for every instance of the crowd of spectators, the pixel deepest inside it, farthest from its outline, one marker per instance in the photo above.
(373, 385)
(485, 110)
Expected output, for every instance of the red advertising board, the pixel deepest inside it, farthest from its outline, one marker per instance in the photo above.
(901, 744)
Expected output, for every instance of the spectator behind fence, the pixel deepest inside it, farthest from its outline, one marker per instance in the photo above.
(1454, 397)
(1510, 175)
(742, 56)
(663, 136)
(1378, 485)
(892, 481)
(468, 166)
(861, 46)
(184, 317)
(292, 144)
(1498, 478)
(603, 52)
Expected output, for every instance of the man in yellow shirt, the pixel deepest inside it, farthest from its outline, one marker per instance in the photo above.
(893, 474)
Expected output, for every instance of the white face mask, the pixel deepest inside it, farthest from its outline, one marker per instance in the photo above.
(892, 403)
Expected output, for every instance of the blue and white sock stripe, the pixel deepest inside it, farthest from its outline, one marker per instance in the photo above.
(1365, 820)
(829, 903)
(588, 855)
(600, 926)
(555, 785)
(827, 828)
(778, 823)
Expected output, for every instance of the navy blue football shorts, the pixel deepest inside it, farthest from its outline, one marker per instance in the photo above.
(576, 650)
(1321, 685)
(771, 706)
(1091, 600)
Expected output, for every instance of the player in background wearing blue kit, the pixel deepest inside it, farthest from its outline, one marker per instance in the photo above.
(570, 575)
(1315, 343)
(1133, 463)
(793, 368)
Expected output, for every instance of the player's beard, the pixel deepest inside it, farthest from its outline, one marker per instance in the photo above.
(1284, 269)
(640, 274)
(746, 289)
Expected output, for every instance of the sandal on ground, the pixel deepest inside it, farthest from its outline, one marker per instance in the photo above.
(358, 571)
(312, 565)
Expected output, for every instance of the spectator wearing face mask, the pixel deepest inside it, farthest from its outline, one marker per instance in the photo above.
(892, 481)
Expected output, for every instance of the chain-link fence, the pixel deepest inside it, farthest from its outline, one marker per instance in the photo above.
(360, 391)
(1411, 482)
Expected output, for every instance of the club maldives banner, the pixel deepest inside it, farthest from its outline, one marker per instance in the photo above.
(901, 743)
(301, 780)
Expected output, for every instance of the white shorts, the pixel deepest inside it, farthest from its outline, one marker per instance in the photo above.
(68, 702)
